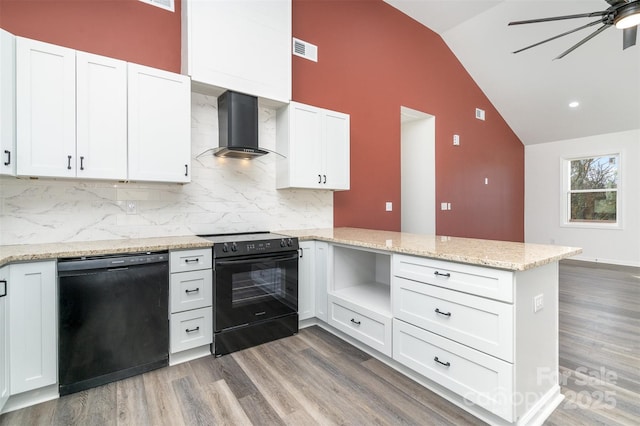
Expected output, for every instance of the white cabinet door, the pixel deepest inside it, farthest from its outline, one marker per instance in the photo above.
(7, 103)
(306, 280)
(315, 144)
(239, 45)
(45, 109)
(4, 336)
(33, 319)
(159, 125)
(336, 149)
(321, 282)
(101, 117)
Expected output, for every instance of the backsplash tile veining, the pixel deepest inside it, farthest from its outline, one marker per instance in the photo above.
(225, 195)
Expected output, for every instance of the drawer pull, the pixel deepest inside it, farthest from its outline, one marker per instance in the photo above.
(446, 364)
(355, 322)
(446, 314)
(191, 330)
(440, 274)
(196, 290)
(188, 261)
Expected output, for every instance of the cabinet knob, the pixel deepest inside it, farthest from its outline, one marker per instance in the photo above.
(6, 163)
(446, 314)
(81, 163)
(319, 178)
(440, 274)
(186, 170)
(446, 364)
(191, 330)
(355, 322)
(68, 162)
(325, 179)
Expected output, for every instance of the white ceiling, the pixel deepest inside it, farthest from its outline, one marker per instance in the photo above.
(530, 89)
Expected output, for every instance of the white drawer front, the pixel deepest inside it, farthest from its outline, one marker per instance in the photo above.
(190, 260)
(191, 329)
(368, 327)
(485, 282)
(479, 378)
(191, 290)
(483, 324)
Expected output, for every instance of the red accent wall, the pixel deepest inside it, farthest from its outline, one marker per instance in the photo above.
(372, 59)
(124, 29)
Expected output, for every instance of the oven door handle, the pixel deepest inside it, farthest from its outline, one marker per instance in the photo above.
(253, 259)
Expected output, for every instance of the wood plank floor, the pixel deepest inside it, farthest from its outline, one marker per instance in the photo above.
(316, 378)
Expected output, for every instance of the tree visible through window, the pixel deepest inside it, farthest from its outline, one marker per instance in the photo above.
(593, 189)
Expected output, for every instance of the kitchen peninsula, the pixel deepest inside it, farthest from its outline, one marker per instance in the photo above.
(476, 321)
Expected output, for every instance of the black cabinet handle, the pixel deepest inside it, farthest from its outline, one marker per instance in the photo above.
(191, 330)
(440, 274)
(192, 291)
(446, 364)
(186, 170)
(69, 162)
(188, 261)
(81, 163)
(6, 163)
(446, 314)
(3, 288)
(319, 178)
(355, 322)
(325, 179)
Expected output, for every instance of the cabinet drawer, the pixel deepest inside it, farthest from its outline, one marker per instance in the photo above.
(479, 378)
(485, 282)
(483, 324)
(189, 260)
(191, 290)
(367, 326)
(191, 329)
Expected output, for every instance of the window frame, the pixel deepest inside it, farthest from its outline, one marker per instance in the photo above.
(565, 195)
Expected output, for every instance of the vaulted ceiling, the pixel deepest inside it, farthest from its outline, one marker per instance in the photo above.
(530, 89)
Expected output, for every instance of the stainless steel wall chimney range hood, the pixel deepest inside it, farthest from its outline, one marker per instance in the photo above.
(238, 126)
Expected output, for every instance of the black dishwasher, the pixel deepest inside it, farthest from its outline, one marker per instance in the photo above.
(113, 318)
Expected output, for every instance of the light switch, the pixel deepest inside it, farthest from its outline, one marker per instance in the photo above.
(444, 206)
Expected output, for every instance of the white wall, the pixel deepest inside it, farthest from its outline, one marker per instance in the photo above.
(543, 197)
(225, 195)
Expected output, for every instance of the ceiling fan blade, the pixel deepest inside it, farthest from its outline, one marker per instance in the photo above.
(629, 36)
(560, 18)
(583, 41)
(559, 35)
(615, 2)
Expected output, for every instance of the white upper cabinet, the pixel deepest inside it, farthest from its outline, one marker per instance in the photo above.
(45, 108)
(243, 46)
(316, 144)
(71, 113)
(101, 151)
(159, 125)
(7, 103)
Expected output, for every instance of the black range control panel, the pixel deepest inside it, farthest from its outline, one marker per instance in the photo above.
(245, 245)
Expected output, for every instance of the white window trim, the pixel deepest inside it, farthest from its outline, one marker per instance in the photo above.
(171, 7)
(565, 166)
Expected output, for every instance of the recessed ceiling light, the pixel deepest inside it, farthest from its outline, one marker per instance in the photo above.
(574, 104)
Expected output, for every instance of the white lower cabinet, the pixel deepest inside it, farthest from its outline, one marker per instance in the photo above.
(4, 336)
(306, 280)
(321, 268)
(191, 297)
(191, 329)
(33, 331)
(477, 377)
(371, 328)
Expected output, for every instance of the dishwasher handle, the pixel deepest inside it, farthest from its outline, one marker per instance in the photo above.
(111, 261)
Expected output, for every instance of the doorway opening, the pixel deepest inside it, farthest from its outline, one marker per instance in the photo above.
(418, 175)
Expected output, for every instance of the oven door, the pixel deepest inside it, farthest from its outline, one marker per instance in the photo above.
(254, 288)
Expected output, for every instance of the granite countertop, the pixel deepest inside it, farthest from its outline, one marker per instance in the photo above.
(34, 252)
(497, 254)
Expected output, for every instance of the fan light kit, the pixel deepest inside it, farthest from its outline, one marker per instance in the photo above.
(624, 14)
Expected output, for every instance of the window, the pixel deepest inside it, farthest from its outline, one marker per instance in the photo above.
(592, 195)
(164, 4)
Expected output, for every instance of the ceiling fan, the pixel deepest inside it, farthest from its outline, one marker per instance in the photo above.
(624, 14)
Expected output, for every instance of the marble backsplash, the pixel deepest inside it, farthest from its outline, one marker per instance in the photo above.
(225, 195)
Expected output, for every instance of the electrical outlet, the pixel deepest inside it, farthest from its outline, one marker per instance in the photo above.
(389, 206)
(456, 140)
(131, 207)
(538, 303)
